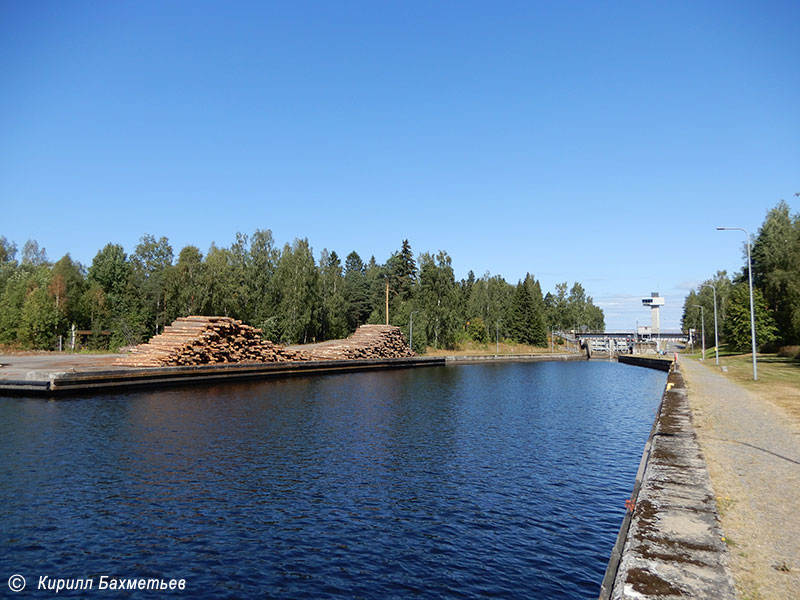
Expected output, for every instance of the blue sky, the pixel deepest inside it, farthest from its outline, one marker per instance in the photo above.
(593, 141)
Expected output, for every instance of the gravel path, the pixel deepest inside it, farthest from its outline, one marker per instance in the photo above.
(752, 449)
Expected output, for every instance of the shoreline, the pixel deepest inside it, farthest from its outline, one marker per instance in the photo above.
(97, 373)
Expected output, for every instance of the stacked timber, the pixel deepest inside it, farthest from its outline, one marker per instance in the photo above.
(207, 340)
(368, 341)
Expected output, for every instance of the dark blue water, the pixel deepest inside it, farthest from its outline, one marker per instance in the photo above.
(501, 480)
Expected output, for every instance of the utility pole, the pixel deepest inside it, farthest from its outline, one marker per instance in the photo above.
(716, 334)
(702, 329)
(387, 303)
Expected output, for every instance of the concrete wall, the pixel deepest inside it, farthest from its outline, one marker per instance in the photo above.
(670, 543)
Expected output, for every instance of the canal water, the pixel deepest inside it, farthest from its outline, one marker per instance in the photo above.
(495, 480)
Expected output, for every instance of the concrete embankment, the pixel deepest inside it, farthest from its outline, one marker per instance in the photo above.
(72, 381)
(490, 358)
(52, 376)
(661, 364)
(670, 543)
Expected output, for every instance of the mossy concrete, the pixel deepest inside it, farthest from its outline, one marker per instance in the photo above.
(674, 546)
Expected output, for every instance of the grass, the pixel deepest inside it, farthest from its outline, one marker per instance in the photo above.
(778, 377)
(471, 348)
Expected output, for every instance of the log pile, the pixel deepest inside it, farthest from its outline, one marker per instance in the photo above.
(368, 341)
(207, 340)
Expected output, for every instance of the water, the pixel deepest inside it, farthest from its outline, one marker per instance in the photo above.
(500, 480)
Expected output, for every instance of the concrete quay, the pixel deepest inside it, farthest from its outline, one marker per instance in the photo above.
(671, 544)
(59, 374)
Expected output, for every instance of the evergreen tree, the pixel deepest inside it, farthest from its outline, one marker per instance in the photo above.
(356, 292)
(334, 313)
(402, 271)
(520, 315)
(538, 322)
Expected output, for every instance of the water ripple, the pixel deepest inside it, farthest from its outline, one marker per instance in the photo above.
(500, 481)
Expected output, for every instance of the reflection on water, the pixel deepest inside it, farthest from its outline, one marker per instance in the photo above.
(501, 480)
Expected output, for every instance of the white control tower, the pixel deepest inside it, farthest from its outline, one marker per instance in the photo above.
(655, 302)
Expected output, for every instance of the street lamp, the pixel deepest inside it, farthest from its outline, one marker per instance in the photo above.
(702, 328)
(752, 310)
(716, 336)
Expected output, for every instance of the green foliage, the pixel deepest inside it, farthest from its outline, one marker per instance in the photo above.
(185, 291)
(526, 323)
(284, 292)
(356, 292)
(439, 321)
(331, 291)
(477, 331)
(8, 250)
(776, 279)
(296, 278)
(737, 323)
(776, 269)
(39, 317)
(401, 270)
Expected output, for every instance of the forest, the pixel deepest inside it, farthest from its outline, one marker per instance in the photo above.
(123, 299)
(775, 255)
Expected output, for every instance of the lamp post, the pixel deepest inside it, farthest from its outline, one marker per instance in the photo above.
(716, 335)
(497, 338)
(752, 310)
(411, 331)
(702, 329)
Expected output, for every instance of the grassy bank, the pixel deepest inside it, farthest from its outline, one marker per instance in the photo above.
(778, 377)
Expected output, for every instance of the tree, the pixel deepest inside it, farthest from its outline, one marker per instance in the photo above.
(40, 318)
(737, 321)
(356, 291)
(150, 262)
(704, 296)
(220, 283)
(17, 287)
(296, 278)
(264, 258)
(526, 318)
(66, 286)
(557, 307)
(437, 300)
(476, 330)
(402, 271)
(776, 269)
(112, 271)
(33, 255)
(331, 292)
(8, 250)
(185, 292)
